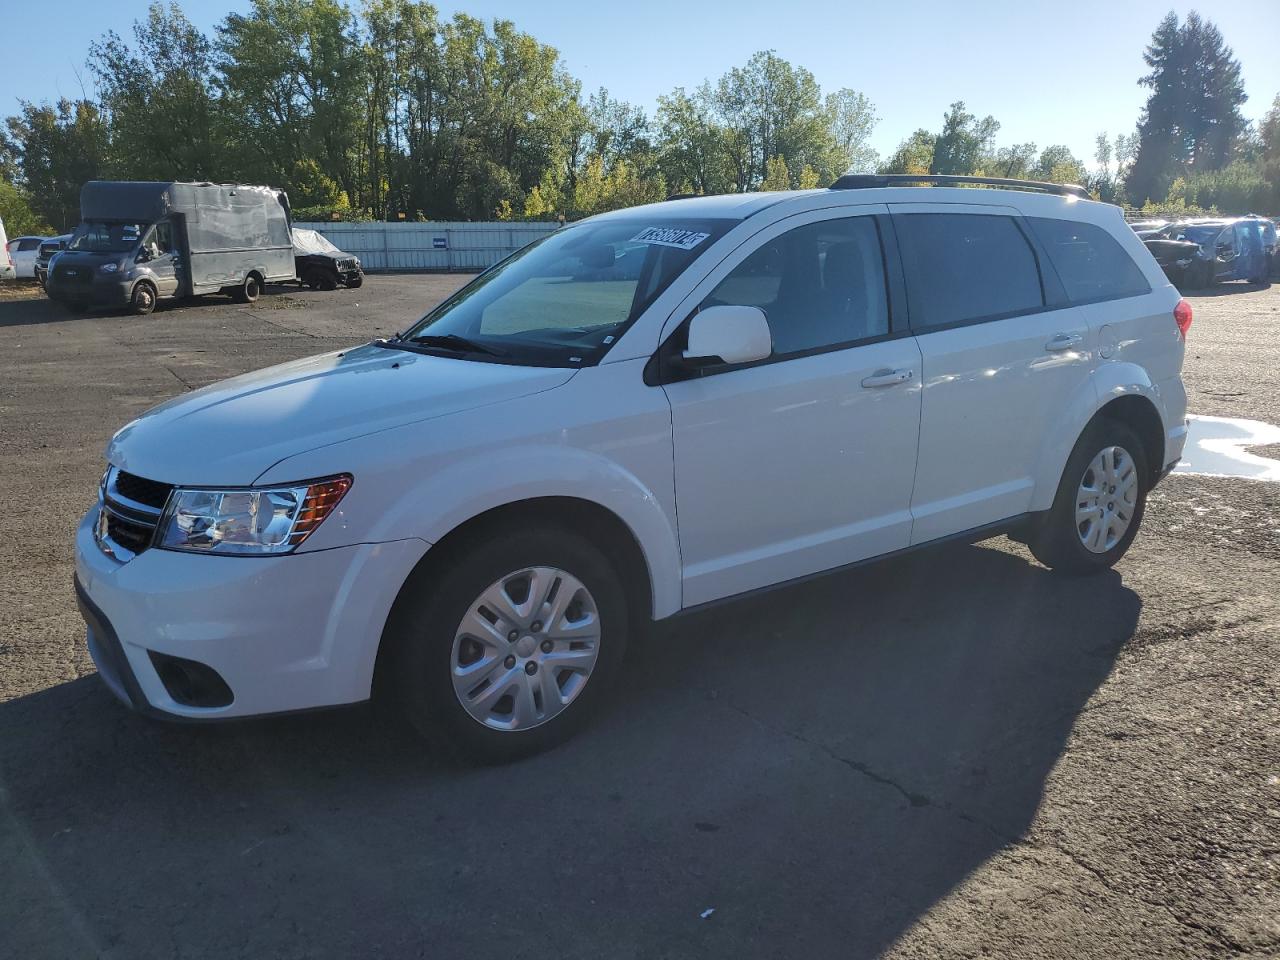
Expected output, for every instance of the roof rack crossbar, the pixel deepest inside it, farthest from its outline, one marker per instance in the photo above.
(867, 181)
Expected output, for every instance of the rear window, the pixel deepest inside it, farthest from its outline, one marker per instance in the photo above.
(966, 267)
(1089, 261)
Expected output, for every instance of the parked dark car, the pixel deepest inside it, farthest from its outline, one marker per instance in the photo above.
(322, 266)
(1180, 260)
(47, 249)
(1235, 248)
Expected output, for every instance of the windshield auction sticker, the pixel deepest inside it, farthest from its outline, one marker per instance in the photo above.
(670, 237)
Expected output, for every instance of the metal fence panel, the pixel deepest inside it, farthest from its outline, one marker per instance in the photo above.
(440, 246)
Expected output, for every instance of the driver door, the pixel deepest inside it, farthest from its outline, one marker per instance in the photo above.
(804, 461)
(163, 265)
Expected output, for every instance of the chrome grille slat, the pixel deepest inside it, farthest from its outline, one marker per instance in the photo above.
(130, 508)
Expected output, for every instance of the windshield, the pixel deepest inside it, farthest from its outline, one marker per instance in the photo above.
(1201, 234)
(565, 299)
(101, 236)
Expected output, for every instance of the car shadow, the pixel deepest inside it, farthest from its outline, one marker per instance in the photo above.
(41, 310)
(818, 766)
(1225, 288)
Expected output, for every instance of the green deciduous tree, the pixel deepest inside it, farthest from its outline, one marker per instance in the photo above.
(158, 96)
(293, 85)
(17, 214)
(914, 154)
(963, 141)
(58, 149)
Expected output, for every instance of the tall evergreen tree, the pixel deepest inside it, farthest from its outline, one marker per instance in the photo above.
(1192, 118)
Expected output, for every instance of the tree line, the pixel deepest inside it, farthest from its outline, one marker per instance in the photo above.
(392, 111)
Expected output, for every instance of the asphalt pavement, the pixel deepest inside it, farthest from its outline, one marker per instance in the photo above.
(952, 754)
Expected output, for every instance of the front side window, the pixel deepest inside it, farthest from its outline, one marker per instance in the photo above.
(566, 299)
(102, 236)
(820, 285)
(965, 267)
(1090, 263)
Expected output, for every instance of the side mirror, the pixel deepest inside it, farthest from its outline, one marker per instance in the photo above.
(729, 334)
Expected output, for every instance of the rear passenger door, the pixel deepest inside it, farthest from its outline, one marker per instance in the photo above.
(1003, 353)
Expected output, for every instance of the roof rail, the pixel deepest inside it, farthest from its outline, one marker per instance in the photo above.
(867, 181)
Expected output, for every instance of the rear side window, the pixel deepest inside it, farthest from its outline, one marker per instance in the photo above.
(965, 267)
(1089, 261)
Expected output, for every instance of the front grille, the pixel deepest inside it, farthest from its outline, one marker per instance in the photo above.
(152, 493)
(77, 274)
(133, 536)
(347, 264)
(131, 511)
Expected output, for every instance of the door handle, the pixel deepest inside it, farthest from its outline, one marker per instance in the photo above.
(887, 378)
(1063, 341)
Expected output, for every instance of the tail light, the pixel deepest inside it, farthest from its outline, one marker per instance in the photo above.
(1182, 317)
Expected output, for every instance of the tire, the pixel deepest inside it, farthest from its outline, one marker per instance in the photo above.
(312, 279)
(248, 291)
(428, 645)
(1067, 544)
(328, 280)
(143, 300)
(356, 282)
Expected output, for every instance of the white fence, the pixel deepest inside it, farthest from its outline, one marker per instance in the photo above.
(430, 246)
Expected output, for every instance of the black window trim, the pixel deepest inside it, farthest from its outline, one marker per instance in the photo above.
(662, 370)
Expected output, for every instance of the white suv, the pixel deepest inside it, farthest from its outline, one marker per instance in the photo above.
(642, 413)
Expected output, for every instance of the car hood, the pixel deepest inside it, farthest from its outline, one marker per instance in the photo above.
(229, 433)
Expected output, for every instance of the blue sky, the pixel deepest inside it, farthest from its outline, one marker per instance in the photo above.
(1050, 73)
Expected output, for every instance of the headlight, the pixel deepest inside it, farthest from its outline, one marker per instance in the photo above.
(259, 520)
(109, 267)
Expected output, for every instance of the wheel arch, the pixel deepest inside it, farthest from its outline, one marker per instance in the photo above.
(1140, 415)
(603, 527)
(1119, 391)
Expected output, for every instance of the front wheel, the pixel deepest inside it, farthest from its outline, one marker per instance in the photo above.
(356, 281)
(509, 648)
(143, 300)
(1099, 504)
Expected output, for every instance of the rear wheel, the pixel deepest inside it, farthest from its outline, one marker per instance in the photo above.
(510, 648)
(1100, 502)
(328, 280)
(248, 291)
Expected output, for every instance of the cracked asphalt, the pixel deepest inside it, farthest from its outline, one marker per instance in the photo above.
(953, 754)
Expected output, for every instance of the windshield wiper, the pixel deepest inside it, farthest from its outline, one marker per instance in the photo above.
(451, 341)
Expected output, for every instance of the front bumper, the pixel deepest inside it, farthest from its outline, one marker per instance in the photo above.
(285, 633)
(109, 290)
